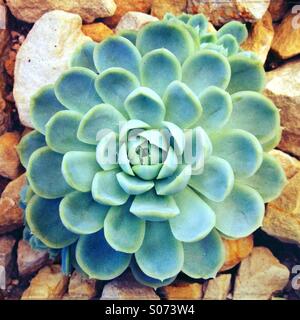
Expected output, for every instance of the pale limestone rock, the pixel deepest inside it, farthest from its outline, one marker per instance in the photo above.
(286, 43)
(97, 31)
(44, 55)
(236, 251)
(81, 288)
(218, 288)
(9, 159)
(30, 260)
(6, 256)
(283, 87)
(49, 284)
(11, 215)
(134, 21)
(31, 10)
(261, 37)
(259, 276)
(290, 165)
(124, 6)
(160, 8)
(220, 12)
(127, 288)
(182, 291)
(282, 219)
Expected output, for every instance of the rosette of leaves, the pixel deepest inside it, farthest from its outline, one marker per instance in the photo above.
(156, 215)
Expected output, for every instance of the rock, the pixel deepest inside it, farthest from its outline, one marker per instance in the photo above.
(81, 288)
(44, 55)
(127, 288)
(259, 276)
(124, 6)
(286, 43)
(7, 244)
(278, 9)
(261, 37)
(236, 251)
(9, 63)
(134, 21)
(160, 8)
(182, 291)
(220, 12)
(9, 159)
(290, 165)
(218, 288)
(31, 10)
(3, 16)
(283, 87)
(29, 260)
(49, 284)
(97, 31)
(282, 218)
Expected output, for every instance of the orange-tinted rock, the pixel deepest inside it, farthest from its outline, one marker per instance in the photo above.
(97, 31)
(182, 291)
(236, 251)
(218, 288)
(124, 6)
(160, 8)
(81, 288)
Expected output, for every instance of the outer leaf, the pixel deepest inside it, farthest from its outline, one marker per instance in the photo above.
(98, 259)
(43, 219)
(83, 56)
(236, 29)
(160, 259)
(44, 174)
(241, 213)
(203, 259)
(230, 43)
(75, 89)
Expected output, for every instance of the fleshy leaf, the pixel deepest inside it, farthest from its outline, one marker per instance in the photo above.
(246, 74)
(158, 69)
(175, 183)
(81, 214)
(174, 38)
(250, 111)
(273, 142)
(183, 107)
(79, 169)
(96, 258)
(130, 35)
(106, 152)
(43, 106)
(147, 172)
(217, 108)
(45, 176)
(178, 136)
(100, 119)
(269, 180)
(169, 165)
(196, 219)
(124, 231)
(150, 206)
(236, 29)
(117, 52)
(240, 214)
(145, 105)
(124, 161)
(199, 22)
(133, 185)
(204, 69)
(75, 89)
(142, 278)
(230, 43)
(83, 56)
(30, 143)
(203, 259)
(114, 85)
(106, 189)
(43, 219)
(241, 149)
(61, 132)
(216, 180)
(161, 255)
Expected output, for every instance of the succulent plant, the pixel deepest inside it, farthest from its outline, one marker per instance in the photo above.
(152, 96)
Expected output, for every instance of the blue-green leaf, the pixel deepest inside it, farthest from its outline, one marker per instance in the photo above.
(83, 56)
(133, 185)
